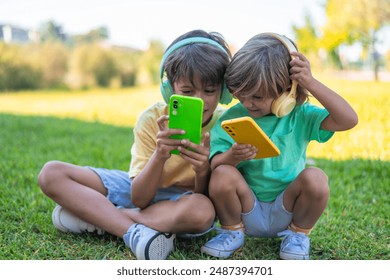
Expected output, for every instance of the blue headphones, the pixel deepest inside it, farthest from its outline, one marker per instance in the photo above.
(166, 88)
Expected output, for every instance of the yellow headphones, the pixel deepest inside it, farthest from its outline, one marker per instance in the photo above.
(285, 103)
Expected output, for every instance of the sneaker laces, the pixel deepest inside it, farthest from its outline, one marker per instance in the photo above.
(294, 238)
(226, 236)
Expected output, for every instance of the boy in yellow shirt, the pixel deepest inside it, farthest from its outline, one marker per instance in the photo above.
(162, 195)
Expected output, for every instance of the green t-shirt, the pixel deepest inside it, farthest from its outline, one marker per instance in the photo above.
(268, 177)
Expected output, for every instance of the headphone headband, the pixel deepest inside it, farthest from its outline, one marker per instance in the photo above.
(284, 40)
(184, 42)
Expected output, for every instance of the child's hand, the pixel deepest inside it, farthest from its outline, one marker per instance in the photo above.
(242, 152)
(165, 144)
(198, 155)
(300, 70)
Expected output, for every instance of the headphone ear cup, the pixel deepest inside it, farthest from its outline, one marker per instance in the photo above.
(226, 96)
(283, 105)
(166, 90)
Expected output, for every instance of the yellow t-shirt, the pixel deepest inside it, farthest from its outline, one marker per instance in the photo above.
(176, 171)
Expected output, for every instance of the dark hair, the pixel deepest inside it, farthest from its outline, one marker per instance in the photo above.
(262, 65)
(205, 60)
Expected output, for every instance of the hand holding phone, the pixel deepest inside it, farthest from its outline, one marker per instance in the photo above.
(186, 113)
(244, 130)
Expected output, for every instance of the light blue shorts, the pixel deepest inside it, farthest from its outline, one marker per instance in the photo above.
(118, 185)
(266, 219)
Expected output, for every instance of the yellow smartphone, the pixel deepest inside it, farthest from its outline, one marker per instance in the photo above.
(186, 112)
(245, 130)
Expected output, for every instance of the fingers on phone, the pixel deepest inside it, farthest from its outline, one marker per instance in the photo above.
(206, 140)
(162, 122)
(245, 151)
(176, 132)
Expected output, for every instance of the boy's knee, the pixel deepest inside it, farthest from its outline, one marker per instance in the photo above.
(221, 177)
(316, 181)
(202, 212)
(47, 175)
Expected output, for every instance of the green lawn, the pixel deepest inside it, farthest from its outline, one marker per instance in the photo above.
(355, 224)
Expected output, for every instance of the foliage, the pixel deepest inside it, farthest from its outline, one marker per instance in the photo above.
(151, 59)
(347, 22)
(51, 31)
(93, 36)
(307, 41)
(52, 64)
(129, 62)
(15, 72)
(359, 21)
(51, 59)
(92, 65)
(306, 36)
(350, 21)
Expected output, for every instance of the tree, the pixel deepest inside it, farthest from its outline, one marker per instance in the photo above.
(150, 68)
(15, 72)
(51, 31)
(51, 59)
(351, 21)
(306, 38)
(91, 65)
(95, 35)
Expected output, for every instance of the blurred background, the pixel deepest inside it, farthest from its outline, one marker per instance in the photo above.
(84, 44)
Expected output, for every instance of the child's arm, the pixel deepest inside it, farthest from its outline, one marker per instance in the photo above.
(198, 157)
(233, 156)
(341, 114)
(145, 185)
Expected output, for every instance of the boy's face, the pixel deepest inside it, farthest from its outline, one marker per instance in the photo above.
(209, 93)
(257, 105)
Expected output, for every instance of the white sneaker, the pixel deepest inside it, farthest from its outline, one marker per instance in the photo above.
(149, 244)
(294, 246)
(224, 244)
(65, 221)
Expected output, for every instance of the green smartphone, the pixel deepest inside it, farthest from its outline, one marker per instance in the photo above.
(186, 112)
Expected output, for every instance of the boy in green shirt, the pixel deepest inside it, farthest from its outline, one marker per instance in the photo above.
(275, 196)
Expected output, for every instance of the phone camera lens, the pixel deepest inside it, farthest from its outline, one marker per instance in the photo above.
(175, 101)
(175, 106)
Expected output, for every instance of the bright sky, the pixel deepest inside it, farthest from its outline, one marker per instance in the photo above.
(135, 22)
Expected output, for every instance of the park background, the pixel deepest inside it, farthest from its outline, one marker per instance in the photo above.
(74, 94)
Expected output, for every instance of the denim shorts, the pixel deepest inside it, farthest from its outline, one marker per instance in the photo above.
(118, 185)
(266, 219)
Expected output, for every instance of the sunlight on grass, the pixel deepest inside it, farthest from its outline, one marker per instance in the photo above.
(369, 140)
(112, 106)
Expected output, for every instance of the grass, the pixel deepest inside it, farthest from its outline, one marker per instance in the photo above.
(354, 226)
